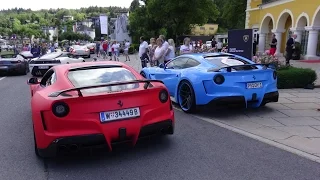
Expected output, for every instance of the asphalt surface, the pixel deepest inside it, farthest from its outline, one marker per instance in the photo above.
(197, 151)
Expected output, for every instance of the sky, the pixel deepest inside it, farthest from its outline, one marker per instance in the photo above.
(68, 4)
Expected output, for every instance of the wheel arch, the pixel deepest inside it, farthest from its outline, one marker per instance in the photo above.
(177, 88)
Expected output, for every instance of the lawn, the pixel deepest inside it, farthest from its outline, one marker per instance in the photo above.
(6, 52)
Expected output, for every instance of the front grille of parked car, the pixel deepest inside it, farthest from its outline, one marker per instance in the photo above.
(45, 62)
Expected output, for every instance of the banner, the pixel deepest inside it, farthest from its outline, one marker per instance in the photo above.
(104, 24)
(240, 42)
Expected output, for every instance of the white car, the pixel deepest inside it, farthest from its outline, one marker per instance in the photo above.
(39, 66)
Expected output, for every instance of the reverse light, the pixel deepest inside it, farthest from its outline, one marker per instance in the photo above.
(218, 79)
(274, 75)
(60, 109)
(163, 96)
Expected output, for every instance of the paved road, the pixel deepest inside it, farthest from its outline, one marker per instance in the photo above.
(198, 150)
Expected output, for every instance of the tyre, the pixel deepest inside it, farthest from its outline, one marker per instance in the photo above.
(186, 97)
(36, 151)
(143, 74)
(89, 56)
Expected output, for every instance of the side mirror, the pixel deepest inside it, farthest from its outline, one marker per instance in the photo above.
(162, 66)
(33, 81)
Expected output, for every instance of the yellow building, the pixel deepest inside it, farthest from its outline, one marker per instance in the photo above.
(284, 17)
(205, 30)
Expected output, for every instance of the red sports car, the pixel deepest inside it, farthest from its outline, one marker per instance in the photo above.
(95, 103)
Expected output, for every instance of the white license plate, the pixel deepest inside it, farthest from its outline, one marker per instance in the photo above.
(43, 67)
(119, 114)
(254, 85)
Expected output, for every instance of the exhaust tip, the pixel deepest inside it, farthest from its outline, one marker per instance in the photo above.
(63, 148)
(74, 148)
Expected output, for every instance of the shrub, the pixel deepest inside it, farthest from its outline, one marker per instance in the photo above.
(292, 77)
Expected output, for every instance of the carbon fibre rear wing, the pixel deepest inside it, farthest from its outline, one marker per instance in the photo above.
(78, 89)
(229, 68)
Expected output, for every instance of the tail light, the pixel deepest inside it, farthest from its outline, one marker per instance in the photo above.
(19, 61)
(219, 79)
(274, 74)
(163, 96)
(60, 109)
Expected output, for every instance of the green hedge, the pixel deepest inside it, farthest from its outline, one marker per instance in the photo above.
(134, 48)
(292, 77)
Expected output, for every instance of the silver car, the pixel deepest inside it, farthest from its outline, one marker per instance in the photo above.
(39, 66)
(82, 51)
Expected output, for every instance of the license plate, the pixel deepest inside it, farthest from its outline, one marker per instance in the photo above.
(254, 85)
(119, 114)
(3, 67)
(43, 67)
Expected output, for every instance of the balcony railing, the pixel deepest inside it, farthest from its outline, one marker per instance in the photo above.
(269, 1)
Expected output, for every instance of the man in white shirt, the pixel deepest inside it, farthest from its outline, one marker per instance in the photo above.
(219, 46)
(126, 49)
(143, 49)
(116, 47)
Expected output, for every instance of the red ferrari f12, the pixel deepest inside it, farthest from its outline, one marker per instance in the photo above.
(96, 103)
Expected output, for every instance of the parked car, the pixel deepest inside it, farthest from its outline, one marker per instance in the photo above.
(91, 47)
(216, 79)
(39, 66)
(97, 103)
(81, 51)
(14, 64)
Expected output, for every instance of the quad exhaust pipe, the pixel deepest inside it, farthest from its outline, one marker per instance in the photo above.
(71, 148)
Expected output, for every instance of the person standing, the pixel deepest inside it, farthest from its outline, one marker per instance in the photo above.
(126, 49)
(213, 42)
(97, 48)
(186, 47)
(289, 48)
(254, 47)
(273, 45)
(143, 49)
(171, 51)
(115, 47)
(219, 46)
(158, 56)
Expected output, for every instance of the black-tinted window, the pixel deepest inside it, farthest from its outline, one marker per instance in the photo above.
(92, 77)
(177, 63)
(225, 61)
(191, 63)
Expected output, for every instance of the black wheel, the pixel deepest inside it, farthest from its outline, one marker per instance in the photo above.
(143, 74)
(36, 151)
(263, 104)
(83, 61)
(89, 56)
(186, 97)
(24, 71)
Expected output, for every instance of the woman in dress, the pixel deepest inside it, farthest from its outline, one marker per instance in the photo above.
(151, 49)
(170, 54)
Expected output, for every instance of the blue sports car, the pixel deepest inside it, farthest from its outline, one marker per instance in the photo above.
(216, 79)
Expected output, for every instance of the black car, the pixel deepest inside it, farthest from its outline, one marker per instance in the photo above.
(14, 64)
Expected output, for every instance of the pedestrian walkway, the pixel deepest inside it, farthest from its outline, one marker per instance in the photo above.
(294, 121)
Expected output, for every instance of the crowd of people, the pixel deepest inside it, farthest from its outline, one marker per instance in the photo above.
(160, 51)
(105, 48)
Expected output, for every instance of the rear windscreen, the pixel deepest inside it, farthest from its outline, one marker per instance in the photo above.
(225, 61)
(98, 76)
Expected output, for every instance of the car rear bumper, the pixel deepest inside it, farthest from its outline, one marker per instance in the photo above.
(93, 140)
(242, 102)
(12, 68)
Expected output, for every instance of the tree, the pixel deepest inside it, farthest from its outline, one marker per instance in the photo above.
(234, 14)
(174, 17)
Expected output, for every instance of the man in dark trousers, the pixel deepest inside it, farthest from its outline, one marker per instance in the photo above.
(289, 48)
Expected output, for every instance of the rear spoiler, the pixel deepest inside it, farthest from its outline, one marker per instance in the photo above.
(78, 89)
(229, 68)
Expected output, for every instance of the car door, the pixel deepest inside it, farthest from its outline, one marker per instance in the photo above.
(171, 73)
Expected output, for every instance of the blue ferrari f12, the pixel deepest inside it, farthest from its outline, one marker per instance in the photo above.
(216, 79)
